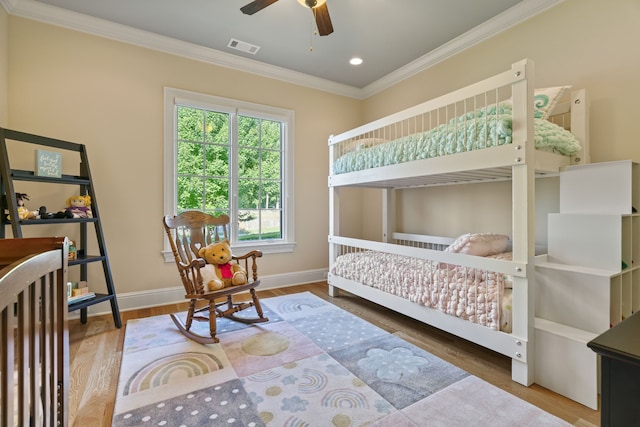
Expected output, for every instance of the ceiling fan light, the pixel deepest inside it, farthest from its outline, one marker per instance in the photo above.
(306, 3)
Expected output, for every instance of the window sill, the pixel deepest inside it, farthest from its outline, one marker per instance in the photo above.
(266, 248)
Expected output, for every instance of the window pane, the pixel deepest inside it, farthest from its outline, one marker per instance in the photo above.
(248, 228)
(271, 166)
(270, 195)
(189, 193)
(259, 225)
(189, 158)
(271, 134)
(217, 127)
(271, 224)
(248, 163)
(248, 131)
(190, 124)
(248, 194)
(217, 159)
(216, 195)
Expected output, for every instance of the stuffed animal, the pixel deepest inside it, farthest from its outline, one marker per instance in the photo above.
(43, 214)
(79, 206)
(220, 272)
(23, 211)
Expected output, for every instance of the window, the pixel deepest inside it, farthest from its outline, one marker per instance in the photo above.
(229, 157)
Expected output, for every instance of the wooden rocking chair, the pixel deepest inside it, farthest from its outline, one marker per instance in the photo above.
(187, 233)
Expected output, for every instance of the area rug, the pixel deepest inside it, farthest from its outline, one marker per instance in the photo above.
(312, 364)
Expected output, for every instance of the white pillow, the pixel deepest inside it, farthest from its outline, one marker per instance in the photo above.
(479, 244)
(545, 100)
(359, 144)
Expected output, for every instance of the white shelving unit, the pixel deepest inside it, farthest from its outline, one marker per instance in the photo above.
(589, 280)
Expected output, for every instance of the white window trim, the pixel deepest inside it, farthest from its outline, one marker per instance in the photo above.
(173, 97)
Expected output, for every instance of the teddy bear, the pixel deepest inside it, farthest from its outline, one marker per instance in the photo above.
(220, 272)
(79, 206)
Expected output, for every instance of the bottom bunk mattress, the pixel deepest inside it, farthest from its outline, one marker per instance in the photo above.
(472, 294)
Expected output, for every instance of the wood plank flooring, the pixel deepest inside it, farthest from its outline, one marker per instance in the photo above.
(96, 351)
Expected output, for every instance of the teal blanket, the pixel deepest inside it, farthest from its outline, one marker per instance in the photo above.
(473, 131)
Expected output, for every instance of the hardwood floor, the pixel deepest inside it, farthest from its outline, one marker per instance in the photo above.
(96, 351)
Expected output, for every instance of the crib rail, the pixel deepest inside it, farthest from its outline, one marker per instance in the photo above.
(34, 364)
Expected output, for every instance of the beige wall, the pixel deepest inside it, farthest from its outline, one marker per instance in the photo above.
(109, 96)
(4, 55)
(584, 43)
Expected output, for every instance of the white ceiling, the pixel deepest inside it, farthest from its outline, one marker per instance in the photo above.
(395, 38)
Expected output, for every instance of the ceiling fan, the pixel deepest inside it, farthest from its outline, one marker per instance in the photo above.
(319, 8)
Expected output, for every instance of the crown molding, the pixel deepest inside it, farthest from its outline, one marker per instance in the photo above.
(8, 5)
(31, 9)
(52, 15)
(498, 24)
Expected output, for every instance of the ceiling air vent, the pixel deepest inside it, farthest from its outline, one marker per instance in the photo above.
(243, 46)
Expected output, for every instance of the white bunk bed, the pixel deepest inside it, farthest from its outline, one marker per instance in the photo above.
(487, 108)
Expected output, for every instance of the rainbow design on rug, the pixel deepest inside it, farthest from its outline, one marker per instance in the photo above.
(265, 376)
(312, 364)
(345, 398)
(295, 422)
(312, 381)
(162, 371)
(298, 306)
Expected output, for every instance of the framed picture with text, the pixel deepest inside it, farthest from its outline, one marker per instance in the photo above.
(48, 164)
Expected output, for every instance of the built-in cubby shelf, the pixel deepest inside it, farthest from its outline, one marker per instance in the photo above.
(589, 280)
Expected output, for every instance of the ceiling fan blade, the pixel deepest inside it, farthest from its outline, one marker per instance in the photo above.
(323, 21)
(256, 6)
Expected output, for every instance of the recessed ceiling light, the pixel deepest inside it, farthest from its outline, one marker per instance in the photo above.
(355, 61)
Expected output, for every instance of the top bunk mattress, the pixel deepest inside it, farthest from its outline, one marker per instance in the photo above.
(481, 129)
(476, 133)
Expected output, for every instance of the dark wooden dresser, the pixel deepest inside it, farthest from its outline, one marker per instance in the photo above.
(619, 350)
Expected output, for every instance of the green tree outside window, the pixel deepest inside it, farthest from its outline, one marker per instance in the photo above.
(206, 175)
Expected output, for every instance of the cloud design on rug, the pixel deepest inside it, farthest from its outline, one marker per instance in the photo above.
(289, 379)
(294, 404)
(392, 365)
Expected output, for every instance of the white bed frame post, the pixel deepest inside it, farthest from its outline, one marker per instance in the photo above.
(580, 125)
(388, 215)
(334, 215)
(523, 223)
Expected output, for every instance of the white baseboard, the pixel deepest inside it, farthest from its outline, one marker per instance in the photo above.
(157, 297)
